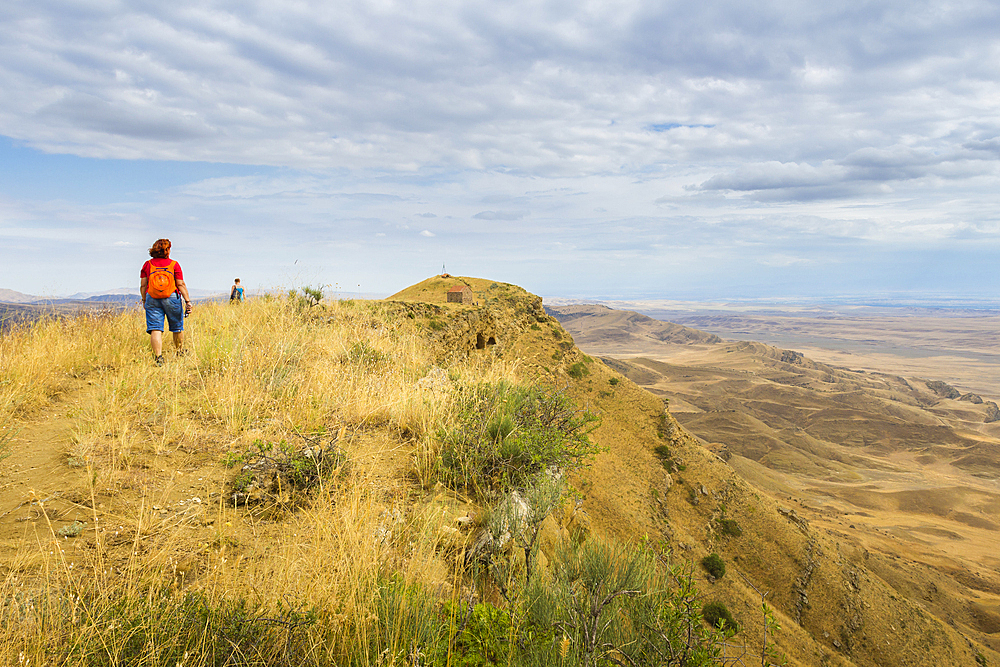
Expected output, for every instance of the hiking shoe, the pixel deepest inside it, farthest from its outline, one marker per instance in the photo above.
(159, 360)
(181, 352)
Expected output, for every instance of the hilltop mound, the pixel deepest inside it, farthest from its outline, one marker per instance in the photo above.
(341, 484)
(435, 290)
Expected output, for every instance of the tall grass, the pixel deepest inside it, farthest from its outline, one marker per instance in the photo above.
(46, 357)
(148, 593)
(353, 578)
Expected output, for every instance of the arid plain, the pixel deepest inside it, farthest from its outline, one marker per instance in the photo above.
(879, 425)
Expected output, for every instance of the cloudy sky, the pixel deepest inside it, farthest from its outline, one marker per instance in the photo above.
(601, 148)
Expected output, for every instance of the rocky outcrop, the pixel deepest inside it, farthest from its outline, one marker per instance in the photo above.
(943, 389)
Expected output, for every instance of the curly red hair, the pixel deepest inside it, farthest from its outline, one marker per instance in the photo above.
(160, 249)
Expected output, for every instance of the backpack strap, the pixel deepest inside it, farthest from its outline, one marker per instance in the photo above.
(169, 267)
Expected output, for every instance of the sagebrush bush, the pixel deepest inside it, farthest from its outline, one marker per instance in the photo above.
(282, 472)
(608, 602)
(506, 434)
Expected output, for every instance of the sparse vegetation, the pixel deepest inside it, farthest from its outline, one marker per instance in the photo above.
(730, 528)
(6, 433)
(578, 370)
(667, 459)
(717, 615)
(714, 565)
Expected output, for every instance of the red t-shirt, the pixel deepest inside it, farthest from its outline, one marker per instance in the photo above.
(161, 262)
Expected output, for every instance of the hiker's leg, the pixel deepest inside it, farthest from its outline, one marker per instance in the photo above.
(173, 308)
(156, 341)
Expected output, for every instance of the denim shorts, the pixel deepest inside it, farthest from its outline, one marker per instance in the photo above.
(172, 308)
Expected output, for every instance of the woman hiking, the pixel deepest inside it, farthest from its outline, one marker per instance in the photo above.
(162, 288)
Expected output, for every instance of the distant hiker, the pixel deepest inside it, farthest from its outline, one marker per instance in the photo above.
(161, 288)
(236, 294)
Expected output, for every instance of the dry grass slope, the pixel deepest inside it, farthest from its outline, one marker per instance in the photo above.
(132, 457)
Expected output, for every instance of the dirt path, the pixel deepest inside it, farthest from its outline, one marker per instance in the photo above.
(37, 480)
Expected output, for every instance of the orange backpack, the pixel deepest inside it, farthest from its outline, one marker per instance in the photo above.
(161, 283)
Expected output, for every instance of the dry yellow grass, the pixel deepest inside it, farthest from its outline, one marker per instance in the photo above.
(266, 370)
(133, 451)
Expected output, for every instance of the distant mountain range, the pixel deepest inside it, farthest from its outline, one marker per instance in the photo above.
(119, 295)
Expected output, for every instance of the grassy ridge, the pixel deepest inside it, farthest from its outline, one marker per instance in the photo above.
(366, 571)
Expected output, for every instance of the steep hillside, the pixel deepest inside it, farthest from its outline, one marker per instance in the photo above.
(309, 483)
(902, 470)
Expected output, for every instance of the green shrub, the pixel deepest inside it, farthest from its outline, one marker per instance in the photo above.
(578, 370)
(312, 295)
(506, 434)
(730, 528)
(714, 565)
(616, 605)
(614, 381)
(279, 471)
(406, 626)
(717, 615)
(484, 636)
